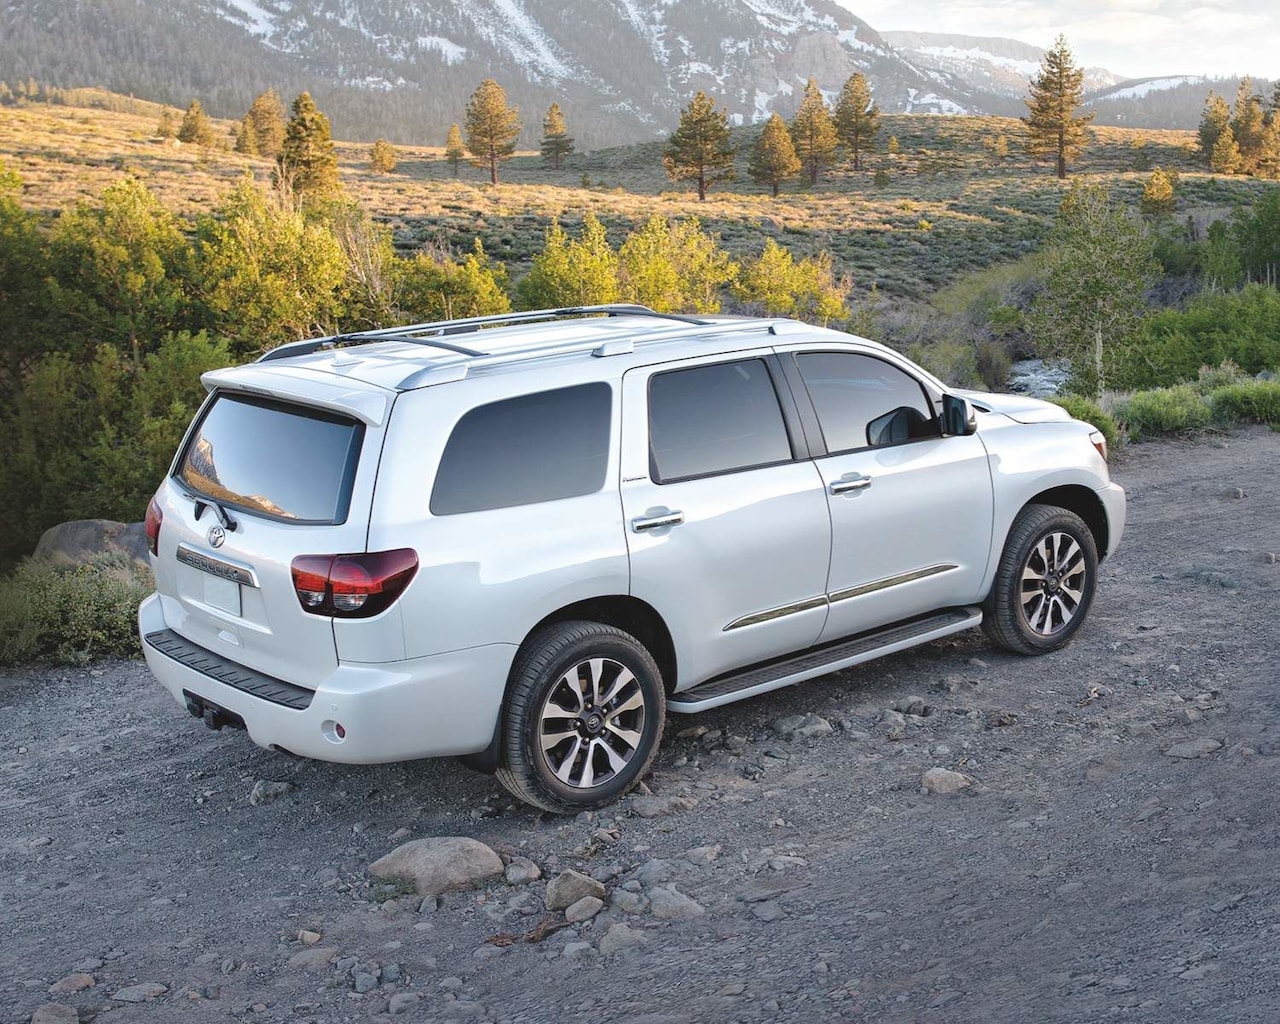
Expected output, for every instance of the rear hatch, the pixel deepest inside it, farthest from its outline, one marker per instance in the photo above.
(278, 464)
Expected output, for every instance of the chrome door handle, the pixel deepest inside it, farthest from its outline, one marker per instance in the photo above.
(846, 484)
(656, 519)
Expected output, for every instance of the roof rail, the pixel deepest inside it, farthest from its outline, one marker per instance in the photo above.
(413, 333)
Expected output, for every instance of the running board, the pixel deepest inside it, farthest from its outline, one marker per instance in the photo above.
(812, 663)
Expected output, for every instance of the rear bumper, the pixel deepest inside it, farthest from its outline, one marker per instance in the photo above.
(437, 706)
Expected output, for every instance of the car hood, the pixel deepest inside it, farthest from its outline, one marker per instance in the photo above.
(1019, 408)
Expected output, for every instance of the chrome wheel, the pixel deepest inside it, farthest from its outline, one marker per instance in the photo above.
(1053, 585)
(592, 723)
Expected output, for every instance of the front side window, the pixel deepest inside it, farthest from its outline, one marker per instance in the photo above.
(525, 450)
(864, 402)
(714, 419)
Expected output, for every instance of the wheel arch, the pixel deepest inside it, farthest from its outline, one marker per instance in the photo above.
(1086, 504)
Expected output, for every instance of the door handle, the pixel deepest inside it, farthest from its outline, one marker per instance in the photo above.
(849, 483)
(656, 519)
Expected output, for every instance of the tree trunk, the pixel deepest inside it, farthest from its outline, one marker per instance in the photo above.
(702, 185)
(775, 190)
(493, 169)
(1097, 356)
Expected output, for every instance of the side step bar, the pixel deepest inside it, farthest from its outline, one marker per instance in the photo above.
(812, 663)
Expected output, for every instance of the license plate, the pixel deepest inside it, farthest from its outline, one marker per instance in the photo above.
(222, 594)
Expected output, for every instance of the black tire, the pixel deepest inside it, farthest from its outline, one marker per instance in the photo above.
(599, 749)
(1044, 583)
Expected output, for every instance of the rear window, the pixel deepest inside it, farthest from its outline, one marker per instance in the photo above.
(274, 459)
(554, 444)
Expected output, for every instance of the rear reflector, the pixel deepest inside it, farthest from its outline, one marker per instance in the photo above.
(154, 518)
(353, 586)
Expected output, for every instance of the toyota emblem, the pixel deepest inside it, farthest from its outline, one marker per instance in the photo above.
(216, 536)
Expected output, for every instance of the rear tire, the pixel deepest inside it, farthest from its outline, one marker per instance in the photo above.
(583, 719)
(1044, 583)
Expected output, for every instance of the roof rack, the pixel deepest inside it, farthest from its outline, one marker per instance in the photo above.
(430, 334)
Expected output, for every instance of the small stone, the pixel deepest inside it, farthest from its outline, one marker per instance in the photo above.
(488, 952)
(943, 780)
(440, 864)
(911, 706)
(55, 1013)
(429, 905)
(631, 902)
(451, 983)
(265, 791)
(39, 841)
(315, 958)
(71, 984)
(364, 982)
(892, 719)
(814, 725)
(620, 937)
(978, 663)
(140, 993)
(787, 725)
(734, 988)
(584, 909)
(655, 872)
(660, 806)
(702, 856)
(1234, 493)
(692, 733)
(570, 886)
(403, 1002)
(735, 743)
(390, 974)
(1189, 749)
(668, 903)
(308, 938)
(522, 871)
(768, 911)
(578, 950)
(86, 966)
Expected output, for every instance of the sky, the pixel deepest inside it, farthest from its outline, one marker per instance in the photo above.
(1134, 38)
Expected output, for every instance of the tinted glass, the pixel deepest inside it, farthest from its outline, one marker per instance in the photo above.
(554, 444)
(273, 458)
(714, 419)
(863, 402)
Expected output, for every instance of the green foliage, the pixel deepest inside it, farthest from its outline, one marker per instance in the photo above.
(814, 133)
(1225, 156)
(1158, 199)
(1211, 378)
(1053, 129)
(1256, 233)
(700, 148)
(857, 118)
(1254, 401)
(674, 266)
(1090, 412)
(1162, 411)
(952, 362)
(382, 157)
(572, 272)
(197, 129)
(435, 286)
(247, 138)
(368, 293)
(492, 127)
(881, 178)
(454, 150)
(71, 615)
(556, 143)
(773, 157)
(778, 285)
(308, 161)
(266, 115)
(24, 329)
(167, 126)
(1215, 118)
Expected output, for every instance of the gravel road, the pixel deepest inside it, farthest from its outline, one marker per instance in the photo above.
(1115, 856)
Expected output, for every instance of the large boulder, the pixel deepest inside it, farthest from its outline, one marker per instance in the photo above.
(82, 540)
(440, 864)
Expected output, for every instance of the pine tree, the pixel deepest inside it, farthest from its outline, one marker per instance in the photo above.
(1225, 158)
(813, 132)
(1215, 117)
(454, 151)
(1053, 129)
(557, 143)
(773, 157)
(1247, 125)
(857, 118)
(167, 128)
(308, 162)
(267, 114)
(700, 148)
(196, 128)
(382, 157)
(1157, 194)
(492, 127)
(247, 138)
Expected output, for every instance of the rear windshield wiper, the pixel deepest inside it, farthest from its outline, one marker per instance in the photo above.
(220, 513)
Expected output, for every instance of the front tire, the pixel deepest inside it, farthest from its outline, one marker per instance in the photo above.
(1044, 583)
(584, 717)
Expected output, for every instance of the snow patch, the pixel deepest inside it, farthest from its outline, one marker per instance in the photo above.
(932, 103)
(526, 41)
(260, 23)
(974, 55)
(452, 52)
(849, 37)
(1136, 92)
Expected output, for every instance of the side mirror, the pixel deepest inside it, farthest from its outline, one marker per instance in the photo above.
(958, 417)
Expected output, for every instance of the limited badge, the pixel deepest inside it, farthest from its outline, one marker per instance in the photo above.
(216, 536)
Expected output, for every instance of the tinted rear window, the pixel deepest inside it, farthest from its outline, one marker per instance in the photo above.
(521, 451)
(274, 459)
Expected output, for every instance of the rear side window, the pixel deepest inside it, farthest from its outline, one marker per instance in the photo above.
(274, 459)
(714, 419)
(864, 402)
(521, 451)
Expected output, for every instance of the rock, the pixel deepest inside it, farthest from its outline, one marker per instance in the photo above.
(660, 806)
(390, 974)
(55, 1013)
(140, 993)
(90, 964)
(692, 733)
(655, 872)
(316, 958)
(943, 780)
(631, 902)
(364, 982)
(308, 938)
(584, 909)
(788, 725)
(578, 950)
(1235, 493)
(911, 706)
(488, 952)
(570, 886)
(440, 864)
(702, 856)
(1193, 748)
(402, 1002)
(669, 904)
(768, 911)
(429, 905)
(82, 540)
(814, 725)
(38, 841)
(522, 871)
(264, 791)
(892, 719)
(72, 983)
(620, 937)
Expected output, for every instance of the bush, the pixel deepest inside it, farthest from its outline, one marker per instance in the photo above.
(1090, 412)
(71, 615)
(1254, 401)
(1163, 411)
(952, 362)
(1214, 377)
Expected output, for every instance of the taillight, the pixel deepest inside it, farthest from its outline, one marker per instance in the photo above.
(352, 586)
(154, 518)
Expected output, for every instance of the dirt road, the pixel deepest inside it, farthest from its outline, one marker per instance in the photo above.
(804, 875)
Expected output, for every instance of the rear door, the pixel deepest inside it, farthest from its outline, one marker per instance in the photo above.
(260, 480)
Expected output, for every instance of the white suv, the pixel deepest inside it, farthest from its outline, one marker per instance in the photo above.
(525, 539)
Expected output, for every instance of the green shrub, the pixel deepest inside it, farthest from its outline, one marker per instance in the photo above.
(71, 614)
(1088, 411)
(1214, 377)
(1163, 411)
(952, 362)
(1254, 401)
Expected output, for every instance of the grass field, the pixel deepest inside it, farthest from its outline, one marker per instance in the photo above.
(951, 205)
